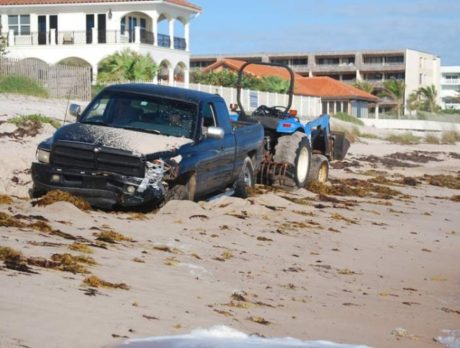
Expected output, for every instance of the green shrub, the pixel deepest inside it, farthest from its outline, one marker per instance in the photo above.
(432, 139)
(405, 138)
(369, 136)
(22, 120)
(22, 85)
(348, 118)
(450, 137)
(95, 89)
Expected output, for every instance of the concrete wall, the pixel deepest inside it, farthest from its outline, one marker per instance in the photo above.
(411, 125)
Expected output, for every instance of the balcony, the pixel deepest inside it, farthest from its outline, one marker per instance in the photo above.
(334, 67)
(383, 67)
(450, 81)
(63, 38)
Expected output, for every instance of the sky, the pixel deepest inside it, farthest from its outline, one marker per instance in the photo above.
(254, 26)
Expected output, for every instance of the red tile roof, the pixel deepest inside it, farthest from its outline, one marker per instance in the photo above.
(324, 87)
(50, 2)
(329, 88)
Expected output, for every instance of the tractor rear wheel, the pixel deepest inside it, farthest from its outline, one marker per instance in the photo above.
(295, 151)
(319, 169)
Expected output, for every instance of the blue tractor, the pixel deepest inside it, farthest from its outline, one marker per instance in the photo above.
(295, 152)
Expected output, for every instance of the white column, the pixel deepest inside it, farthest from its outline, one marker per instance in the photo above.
(137, 34)
(4, 18)
(33, 27)
(94, 70)
(53, 37)
(171, 75)
(171, 32)
(187, 78)
(155, 16)
(376, 111)
(187, 36)
(11, 38)
(94, 34)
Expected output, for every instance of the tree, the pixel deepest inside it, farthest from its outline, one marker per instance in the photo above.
(126, 65)
(424, 99)
(227, 78)
(365, 86)
(394, 89)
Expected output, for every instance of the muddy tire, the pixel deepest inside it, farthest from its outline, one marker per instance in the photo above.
(246, 180)
(180, 192)
(319, 169)
(294, 150)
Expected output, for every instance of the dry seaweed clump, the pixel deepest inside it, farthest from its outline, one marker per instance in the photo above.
(449, 181)
(455, 198)
(5, 199)
(353, 187)
(7, 220)
(112, 237)
(14, 259)
(83, 248)
(96, 282)
(61, 196)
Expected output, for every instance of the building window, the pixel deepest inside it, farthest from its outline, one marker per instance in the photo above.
(420, 79)
(122, 26)
(281, 61)
(373, 60)
(394, 59)
(328, 61)
(20, 24)
(300, 61)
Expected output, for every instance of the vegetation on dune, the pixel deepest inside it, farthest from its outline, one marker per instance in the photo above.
(22, 85)
(405, 138)
(24, 120)
(348, 118)
(450, 137)
(126, 65)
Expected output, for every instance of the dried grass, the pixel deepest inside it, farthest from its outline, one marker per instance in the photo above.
(5, 199)
(61, 196)
(112, 237)
(83, 248)
(96, 282)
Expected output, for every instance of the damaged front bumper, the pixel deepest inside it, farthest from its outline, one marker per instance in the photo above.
(101, 189)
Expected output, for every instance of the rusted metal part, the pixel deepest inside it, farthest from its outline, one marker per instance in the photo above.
(271, 171)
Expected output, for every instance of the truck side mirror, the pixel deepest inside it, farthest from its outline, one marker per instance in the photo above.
(75, 110)
(215, 133)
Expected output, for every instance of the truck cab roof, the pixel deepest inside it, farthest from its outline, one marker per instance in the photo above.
(163, 91)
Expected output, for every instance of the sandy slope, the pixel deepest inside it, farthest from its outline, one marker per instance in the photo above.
(350, 273)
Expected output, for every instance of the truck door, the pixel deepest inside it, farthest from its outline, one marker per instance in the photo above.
(217, 155)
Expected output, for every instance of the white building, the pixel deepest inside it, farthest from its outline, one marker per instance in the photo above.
(89, 30)
(450, 87)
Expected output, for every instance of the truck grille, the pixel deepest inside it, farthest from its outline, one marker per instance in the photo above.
(84, 156)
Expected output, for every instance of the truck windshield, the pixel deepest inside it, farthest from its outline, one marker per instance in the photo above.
(142, 113)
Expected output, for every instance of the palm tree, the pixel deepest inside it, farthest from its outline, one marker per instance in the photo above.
(126, 65)
(424, 99)
(394, 89)
(429, 95)
(365, 86)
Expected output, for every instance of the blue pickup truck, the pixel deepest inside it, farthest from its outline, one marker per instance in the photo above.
(141, 144)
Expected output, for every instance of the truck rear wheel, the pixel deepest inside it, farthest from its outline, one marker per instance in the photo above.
(294, 150)
(246, 180)
(319, 169)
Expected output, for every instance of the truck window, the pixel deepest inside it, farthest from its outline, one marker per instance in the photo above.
(209, 116)
(143, 113)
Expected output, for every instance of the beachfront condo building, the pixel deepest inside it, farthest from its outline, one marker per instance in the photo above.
(415, 68)
(86, 31)
(450, 87)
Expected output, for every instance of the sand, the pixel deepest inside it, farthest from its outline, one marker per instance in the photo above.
(357, 270)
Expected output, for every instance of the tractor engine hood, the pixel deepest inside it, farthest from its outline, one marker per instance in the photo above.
(137, 142)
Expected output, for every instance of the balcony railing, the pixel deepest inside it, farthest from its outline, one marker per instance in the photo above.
(94, 37)
(450, 81)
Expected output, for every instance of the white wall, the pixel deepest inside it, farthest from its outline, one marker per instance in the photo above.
(415, 125)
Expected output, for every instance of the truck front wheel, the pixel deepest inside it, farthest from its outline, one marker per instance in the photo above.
(246, 180)
(295, 151)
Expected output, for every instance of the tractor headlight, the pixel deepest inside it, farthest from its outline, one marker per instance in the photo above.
(43, 156)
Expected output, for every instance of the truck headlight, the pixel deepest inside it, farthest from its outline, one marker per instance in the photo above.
(43, 156)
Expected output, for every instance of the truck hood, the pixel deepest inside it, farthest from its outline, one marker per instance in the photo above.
(139, 143)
